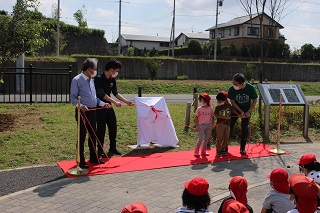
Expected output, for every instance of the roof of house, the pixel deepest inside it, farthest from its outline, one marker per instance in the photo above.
(200, 35)
(145, 38)
(239, 21)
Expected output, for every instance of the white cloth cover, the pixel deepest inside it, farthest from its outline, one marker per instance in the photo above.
(151, 128)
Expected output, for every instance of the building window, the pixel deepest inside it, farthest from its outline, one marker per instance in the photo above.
(236, 31)
(164, 44)
(253, 31)
(213, 34)
(229, 31)
(270, 32)
(222, 33)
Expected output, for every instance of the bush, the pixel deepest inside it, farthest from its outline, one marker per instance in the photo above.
(194, 47)
(153, 66)
(182, 77)
(248, 71)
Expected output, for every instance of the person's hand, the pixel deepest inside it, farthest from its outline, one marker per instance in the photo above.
(130, 103)
(84, 108)
(247, 114)
(242, 115)
(117, 104)
(197, 128)
(107, 105)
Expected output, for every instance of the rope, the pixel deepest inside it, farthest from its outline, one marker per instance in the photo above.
(157, 112)
(84, 120)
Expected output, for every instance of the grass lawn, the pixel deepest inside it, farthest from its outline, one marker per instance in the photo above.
(42, 134)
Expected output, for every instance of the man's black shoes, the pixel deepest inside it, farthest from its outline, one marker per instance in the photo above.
(83, 165)
(115, 151)
(97, 161)
(102, 155)
(243, 152)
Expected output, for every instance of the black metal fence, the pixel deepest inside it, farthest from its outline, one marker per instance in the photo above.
(32, 84)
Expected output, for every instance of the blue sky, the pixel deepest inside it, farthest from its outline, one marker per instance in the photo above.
(154, 17)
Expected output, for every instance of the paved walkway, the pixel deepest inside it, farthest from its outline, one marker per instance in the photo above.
(159, 189)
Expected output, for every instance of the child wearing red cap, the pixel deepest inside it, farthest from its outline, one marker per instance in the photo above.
(195, 197)
(204, 123)
(278, 199)
(310, 167)
(234, 206)
(238, 188)
(136, 207)
(223, 114)
(303, 192)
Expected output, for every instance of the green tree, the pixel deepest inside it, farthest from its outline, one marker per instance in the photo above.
(80, 19)
(131, 51)
(307, 52)
(244, 52)
(233, 50)
(62, 39)
(317, 53)
(153, 66)
(21, 32)
(194, 47)
(153, 52)
(144, 52)
(207, 48)
(286, 51)
(219, 47)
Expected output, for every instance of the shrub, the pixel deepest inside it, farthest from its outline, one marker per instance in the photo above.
(153, 66)
(182, 77)
(248, 71)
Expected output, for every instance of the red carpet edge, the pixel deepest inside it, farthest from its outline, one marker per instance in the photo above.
(168, 159)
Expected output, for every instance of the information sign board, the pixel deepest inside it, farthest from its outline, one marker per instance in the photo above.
(291, 94)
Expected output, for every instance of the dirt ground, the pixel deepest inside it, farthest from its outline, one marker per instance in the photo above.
(9, 122)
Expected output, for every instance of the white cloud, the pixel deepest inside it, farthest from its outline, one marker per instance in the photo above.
(104, 13)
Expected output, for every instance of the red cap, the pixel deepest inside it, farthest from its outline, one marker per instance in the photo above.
(306, 190)
(234, 206)
(197, 186)
(206, 96)
(306, 159)
(225, 94)
(239, 187)
(136, 207)
(279, 177)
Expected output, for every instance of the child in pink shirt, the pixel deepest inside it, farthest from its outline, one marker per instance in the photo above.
(205, 123)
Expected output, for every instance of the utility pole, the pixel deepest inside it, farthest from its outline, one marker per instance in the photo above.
(173, 26)
(219, 3)
(172, 41)
(58, 29)
(119, 43)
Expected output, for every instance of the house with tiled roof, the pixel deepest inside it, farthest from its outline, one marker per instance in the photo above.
(245, 30)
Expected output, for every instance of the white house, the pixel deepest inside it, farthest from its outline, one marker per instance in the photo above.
(142, 41)
(202, 37)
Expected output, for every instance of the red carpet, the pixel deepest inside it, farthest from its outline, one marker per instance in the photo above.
(169, 159)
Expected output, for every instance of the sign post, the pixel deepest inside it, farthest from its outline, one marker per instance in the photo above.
(291, 95)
